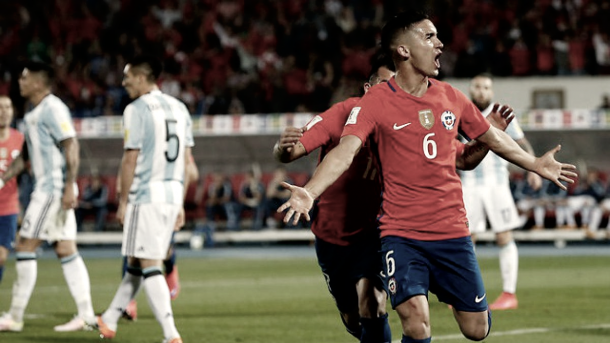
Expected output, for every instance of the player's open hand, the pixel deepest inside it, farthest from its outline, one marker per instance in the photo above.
(501, 116)
(300, 203)
(547, 167)
(290, 137)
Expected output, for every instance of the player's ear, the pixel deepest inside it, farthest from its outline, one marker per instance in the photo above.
(403, 52)
(367, 86)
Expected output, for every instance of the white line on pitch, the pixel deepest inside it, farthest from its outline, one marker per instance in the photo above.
(521, 332)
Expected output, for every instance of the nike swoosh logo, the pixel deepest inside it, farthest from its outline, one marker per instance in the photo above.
(478, 300)
(397, 127)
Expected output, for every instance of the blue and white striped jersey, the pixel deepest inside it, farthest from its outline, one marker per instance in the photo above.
(160, 127)
(46, 125)
(493, 170)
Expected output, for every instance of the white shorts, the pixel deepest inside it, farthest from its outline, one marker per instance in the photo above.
(147, 230)
(494, 201)
(45, 219)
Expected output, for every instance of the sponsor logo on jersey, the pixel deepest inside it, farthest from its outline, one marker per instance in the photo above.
(448, 119)
(353, 116)
(426, 119)
(392, 285)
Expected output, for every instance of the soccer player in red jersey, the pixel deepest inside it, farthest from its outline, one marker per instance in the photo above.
(347, 244)
(411, 122)
(345, 226)
(11, 142)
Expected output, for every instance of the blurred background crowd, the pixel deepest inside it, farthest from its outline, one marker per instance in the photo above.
(269, 56)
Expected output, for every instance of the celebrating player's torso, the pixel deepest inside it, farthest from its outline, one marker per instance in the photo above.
(414, 139)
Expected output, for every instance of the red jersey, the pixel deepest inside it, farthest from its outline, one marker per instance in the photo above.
(415, 144)
(9, 150)
(351, 204)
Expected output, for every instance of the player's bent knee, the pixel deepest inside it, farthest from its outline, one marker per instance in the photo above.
(476, 326)
(65, 248)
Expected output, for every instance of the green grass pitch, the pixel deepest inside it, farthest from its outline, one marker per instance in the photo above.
(226, 300)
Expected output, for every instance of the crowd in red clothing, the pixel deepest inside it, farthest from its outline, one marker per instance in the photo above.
(265, 56)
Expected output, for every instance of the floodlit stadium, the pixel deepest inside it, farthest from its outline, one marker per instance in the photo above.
(247, 72)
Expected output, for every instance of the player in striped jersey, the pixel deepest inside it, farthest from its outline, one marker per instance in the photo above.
(486, 193)
(52, 149)
(158, 141)
(11, 142)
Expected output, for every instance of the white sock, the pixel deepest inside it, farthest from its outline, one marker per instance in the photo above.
(509, 266)
(128, 289)
(27, 271)
(159, 300)
(77, 278)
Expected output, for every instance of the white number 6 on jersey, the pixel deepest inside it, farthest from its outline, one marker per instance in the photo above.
(429, 144)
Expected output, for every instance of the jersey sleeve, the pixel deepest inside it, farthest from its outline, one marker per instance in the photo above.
(319, 129)
(361, 121)
(132, 125)
(190, 142)
(59, 124)
(472, 123)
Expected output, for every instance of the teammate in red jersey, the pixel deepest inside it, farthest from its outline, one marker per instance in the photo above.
(345, 226)
(411, 122)
(347, 244)
(11, 142)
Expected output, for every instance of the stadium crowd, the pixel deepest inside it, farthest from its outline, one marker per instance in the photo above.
(266, 56)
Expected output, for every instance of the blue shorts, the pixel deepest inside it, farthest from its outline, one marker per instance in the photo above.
(447, 268)
(343, 266)
(8, 229)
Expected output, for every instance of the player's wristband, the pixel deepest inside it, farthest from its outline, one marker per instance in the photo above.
(1, 183)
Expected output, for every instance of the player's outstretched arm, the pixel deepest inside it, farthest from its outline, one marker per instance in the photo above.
(328, 171)
(288, 148)
(474, 151)
(545, 166)
(533, 179)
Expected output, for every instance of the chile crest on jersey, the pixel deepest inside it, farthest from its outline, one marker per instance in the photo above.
(448, 120)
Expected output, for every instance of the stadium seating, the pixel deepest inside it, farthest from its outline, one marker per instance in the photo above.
(195, 199)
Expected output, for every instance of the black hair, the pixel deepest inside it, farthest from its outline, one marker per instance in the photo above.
(47, 72)
(397, 25)
(485, 75)
(151, 65)
(378, 60)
